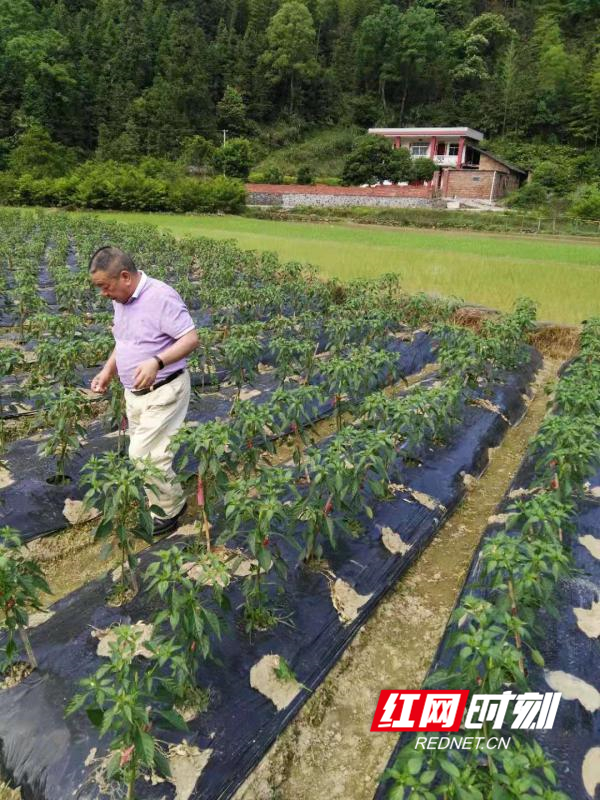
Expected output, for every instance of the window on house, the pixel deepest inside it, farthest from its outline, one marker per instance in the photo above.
(419, 150)
(453, 149)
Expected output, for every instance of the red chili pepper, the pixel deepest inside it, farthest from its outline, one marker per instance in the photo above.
(123, 423)
(126, 755)
(200, 493)
(328, 507)
(193, 647)
(554, 483)
(249, 444)
(10, 603)
(265, 541)
(294, 427)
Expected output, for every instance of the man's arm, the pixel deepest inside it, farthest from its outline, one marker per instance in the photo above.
(180, 348)
(104, 377)
(145, 374)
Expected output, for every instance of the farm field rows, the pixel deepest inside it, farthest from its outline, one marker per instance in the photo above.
(316, 476)
(560, 275)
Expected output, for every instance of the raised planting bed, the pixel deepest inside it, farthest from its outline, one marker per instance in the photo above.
(240, 721)
(530, 602)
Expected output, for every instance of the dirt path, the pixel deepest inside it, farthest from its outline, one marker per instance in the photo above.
(327, 751)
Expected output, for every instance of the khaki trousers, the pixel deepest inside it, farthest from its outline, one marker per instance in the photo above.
(153, 419)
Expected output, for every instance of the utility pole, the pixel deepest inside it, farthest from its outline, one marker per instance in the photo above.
(224, 131)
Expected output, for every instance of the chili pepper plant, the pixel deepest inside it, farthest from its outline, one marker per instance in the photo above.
(256, 508)
(212, 446)
(11, 360)
(241, 359)
(191, 622)
(252, 432)
(62, 412)
(294, 411)
(118, 699)
(22, 582)
(118, 489)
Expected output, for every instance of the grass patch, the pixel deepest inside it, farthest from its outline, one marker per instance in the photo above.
(489, 221)
(324, 152)
(491, 269)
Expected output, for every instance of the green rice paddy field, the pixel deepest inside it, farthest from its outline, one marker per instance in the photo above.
(561, 274)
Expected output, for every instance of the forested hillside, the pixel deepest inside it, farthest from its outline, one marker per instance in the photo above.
(126, 78)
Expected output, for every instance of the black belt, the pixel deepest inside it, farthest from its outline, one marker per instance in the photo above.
(156, 386)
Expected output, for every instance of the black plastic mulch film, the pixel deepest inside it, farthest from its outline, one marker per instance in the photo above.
(35, 507)
(570, 645)
(44, 753)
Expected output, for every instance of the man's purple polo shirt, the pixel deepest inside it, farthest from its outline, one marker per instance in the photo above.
(150, 321)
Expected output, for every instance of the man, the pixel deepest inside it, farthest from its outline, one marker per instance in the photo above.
(153, 333)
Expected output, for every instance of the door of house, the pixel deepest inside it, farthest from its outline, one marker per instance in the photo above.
(441, 149)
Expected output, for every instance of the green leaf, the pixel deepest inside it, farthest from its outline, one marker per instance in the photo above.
(95, 716)
(450, 768)
(161, 762)
(144, 747)
(113, 765)
(537, 658)
(414, 765)
(174, 720)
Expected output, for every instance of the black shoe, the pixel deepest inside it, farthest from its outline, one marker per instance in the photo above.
(167, 524)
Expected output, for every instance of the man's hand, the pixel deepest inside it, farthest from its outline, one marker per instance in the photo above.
(145, 374)
(101, 382)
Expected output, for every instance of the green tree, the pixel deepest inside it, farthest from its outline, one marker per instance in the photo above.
(231, 112)
(291, 57)
(398, 48)
(553, 73)
(374, 159)
(40, 157)
(234, 158)
(585, 124)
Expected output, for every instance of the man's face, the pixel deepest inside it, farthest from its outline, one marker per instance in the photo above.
(118, 287)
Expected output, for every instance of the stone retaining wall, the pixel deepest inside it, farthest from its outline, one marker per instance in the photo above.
(284, 196)
(293, 200)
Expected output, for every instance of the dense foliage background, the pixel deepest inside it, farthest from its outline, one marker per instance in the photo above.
(130, 77)
(124, 80)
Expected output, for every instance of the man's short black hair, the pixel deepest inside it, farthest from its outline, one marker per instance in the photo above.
(111, 260)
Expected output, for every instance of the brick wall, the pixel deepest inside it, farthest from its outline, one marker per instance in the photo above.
(412, 190)
(265, 194)
(477, 183)
(487, 163)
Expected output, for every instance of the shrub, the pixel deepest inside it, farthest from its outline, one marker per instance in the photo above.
(555, 176)
(234, 158)
(423, 169)
(196, 151)
(529, 196)
(161, 168)
(121, 186)
(305, 175)
(586, 202)
(272, 175)
(215, 194)
(374, 159)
